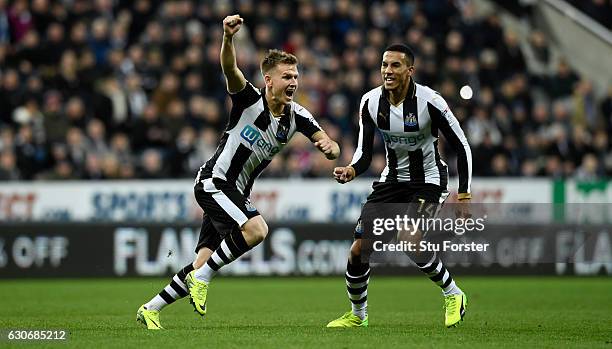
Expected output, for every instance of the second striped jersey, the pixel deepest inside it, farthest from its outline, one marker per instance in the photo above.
(410, 133)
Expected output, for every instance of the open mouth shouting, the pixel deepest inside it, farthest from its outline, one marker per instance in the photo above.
(289, 92)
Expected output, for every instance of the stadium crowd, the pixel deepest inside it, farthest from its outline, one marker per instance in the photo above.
(118, 89)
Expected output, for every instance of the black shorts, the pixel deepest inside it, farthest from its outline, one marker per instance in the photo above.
(226, 209)
(421, 199)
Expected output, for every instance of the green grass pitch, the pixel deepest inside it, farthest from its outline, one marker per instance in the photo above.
(522, 312)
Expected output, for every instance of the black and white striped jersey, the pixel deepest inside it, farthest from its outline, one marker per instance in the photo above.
(252, 137)
(410, 134)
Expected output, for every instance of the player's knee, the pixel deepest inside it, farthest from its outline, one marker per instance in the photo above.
(256, 229)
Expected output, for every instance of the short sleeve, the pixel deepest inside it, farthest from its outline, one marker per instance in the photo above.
(305, 122)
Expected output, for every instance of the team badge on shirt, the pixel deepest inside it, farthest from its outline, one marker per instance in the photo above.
(410, 120)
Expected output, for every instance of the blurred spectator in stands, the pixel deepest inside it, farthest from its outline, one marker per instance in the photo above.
(67, 81)
(510, 55)
(30, 114)
(589, 169)
(529, 168)
(152, 165)
(561, 83)
(10, 95)
(136, 96)
(93, 167)
(184, 148)
(150, 131)
(500, 166)
(31, 156)
(55, 122)
(110, 166)
(20, 19)
(99, 42)
(8, 166)
(121, 148)
(78, 147)
(96, 133)
(585, 106)
(113, 103)
(5, 30)
(539, 45)
(63, 170)
(7, 139)
(175, 119)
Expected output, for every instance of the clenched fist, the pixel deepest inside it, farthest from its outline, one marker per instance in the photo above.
(232, 24)
(344, 174)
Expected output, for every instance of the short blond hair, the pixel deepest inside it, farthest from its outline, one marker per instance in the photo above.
(276, 57)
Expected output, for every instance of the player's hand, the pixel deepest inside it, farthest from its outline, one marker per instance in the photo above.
(344, 174)
(232, 24)
(463, 209)
(328, 147)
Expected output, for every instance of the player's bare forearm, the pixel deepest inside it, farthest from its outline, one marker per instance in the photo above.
(463, 207)
(326, 145)
(233, 76)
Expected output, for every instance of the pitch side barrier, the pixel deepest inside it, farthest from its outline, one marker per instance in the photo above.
(127, 250)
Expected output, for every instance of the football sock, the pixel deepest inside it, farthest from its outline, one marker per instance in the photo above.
(437, 273)
(176, 289)
(232, 247)
(357, 278)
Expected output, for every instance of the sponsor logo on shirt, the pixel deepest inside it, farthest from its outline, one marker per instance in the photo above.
(250, 134)
(253, 136)
(407, 140)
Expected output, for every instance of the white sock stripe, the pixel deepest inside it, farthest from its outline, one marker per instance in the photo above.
(450, 287)
(360, 306)
(205, 273)
(357, 276)
(230, 208)
(171, 292)
(180, 283)
(437, 270)
(358, 285)
(226, 250)
(156, 303)
(357, 297)
(445, 277)
(430, 263)
(215, 257)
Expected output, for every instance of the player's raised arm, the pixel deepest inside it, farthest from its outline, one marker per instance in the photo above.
(363, 154)
(449, 125)
(326, 145)
(234, 78)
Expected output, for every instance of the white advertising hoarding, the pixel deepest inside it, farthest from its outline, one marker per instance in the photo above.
(319, 200)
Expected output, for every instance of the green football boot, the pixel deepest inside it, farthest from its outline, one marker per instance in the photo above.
(197, 293)
(149, 318)
(454, 306)
(348, 320)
